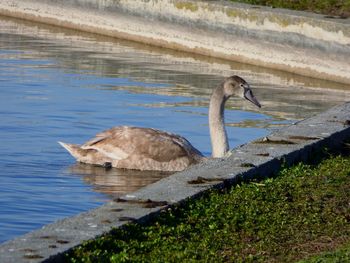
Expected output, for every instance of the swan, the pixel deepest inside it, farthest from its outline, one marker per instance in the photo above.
(151, 149)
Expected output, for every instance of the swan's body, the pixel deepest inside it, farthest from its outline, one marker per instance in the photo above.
(137, 148)
(151, 149)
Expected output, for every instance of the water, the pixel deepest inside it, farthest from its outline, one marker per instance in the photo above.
(61, 85)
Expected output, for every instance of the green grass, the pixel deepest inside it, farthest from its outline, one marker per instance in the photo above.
(327, 7)
(338, 256)
(303, 212)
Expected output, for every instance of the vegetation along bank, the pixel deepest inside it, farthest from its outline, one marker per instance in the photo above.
(301, 214)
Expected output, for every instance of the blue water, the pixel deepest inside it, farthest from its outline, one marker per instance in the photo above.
(41, 103)
(53, 90)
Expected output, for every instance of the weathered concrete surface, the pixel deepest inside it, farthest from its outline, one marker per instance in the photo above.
(260, 158)
(298, 42)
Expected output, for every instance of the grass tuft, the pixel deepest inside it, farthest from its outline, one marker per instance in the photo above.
(339, 8)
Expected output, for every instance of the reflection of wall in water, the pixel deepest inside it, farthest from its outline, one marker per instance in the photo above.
(283, 95)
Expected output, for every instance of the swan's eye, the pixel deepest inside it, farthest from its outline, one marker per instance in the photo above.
(243, 86)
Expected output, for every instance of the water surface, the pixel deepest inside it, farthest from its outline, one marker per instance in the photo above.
(62, 85)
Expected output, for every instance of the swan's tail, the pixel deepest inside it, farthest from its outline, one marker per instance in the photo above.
(74, 150)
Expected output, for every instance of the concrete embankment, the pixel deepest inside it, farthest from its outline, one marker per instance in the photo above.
(303, 43)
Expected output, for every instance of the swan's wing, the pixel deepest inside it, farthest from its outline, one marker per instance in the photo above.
(108, 143)
(122, 142)
(100, 137)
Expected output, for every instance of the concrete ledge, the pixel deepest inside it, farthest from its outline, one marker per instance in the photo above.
(259, 158)
(303, 43)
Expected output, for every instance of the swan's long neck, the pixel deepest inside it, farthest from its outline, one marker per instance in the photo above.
(218, 134)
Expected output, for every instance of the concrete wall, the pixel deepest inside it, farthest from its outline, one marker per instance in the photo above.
(303, 43)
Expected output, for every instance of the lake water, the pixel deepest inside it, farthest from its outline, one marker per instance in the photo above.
(62, 85)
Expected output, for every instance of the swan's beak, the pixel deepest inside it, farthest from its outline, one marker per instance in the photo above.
(249, 96)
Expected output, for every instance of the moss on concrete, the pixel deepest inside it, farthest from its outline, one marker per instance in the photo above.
(186, 6)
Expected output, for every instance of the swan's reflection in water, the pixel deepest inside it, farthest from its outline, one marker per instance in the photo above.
(115, 182)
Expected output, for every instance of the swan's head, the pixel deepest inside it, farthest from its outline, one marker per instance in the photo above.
(236, 86)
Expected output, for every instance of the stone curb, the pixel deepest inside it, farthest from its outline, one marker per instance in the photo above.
(260, 158)
(298, 42)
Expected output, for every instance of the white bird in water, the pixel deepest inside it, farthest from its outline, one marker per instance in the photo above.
(150, 149)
